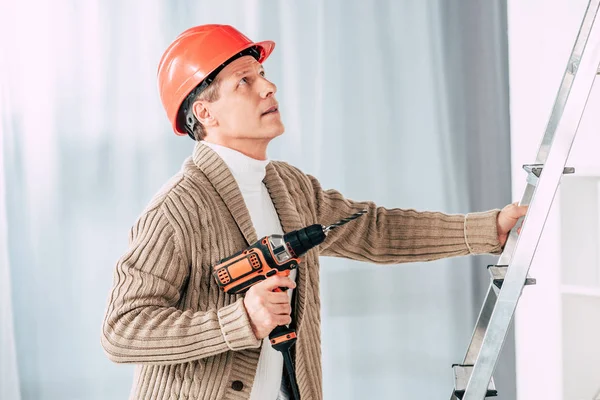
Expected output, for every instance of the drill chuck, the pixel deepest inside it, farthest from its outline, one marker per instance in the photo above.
(302, 240)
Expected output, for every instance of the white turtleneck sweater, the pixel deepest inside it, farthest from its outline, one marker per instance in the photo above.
(249, 174)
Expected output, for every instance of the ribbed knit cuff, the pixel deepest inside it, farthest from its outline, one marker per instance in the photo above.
(236, 328)
(481, 232)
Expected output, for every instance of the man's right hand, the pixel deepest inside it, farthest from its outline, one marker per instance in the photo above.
(266, 308)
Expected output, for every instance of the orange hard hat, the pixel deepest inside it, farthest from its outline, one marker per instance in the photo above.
(195, 57)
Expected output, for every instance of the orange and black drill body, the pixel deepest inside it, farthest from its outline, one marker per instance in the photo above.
(271, 255)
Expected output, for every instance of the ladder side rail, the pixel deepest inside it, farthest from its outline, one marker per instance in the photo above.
(564, 90)
(541, 202)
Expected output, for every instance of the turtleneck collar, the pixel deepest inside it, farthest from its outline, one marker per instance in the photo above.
(248, 172)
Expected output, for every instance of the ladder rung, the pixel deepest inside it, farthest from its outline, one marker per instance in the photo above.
(498, 272)
(462, 373)
(535, 170)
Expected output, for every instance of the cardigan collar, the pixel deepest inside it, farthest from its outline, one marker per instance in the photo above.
(219, 175)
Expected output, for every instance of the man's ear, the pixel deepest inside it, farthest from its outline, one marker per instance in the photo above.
(203, 114)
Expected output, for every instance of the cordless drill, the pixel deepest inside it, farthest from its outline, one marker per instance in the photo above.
(273, 255)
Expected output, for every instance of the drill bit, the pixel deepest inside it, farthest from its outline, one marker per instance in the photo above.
(343, 221)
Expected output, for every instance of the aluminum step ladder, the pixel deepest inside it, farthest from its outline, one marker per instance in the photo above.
(473, 377)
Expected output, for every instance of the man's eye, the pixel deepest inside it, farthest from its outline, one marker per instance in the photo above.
(262, 73)
(243, 80)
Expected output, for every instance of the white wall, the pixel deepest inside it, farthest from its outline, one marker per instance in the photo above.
(541, 36)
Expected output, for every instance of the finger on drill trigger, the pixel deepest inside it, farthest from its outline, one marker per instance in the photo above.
(276, 281)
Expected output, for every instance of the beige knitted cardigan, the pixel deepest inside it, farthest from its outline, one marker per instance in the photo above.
(191, 341)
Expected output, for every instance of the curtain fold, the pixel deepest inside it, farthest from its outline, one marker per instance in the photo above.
(9, 373)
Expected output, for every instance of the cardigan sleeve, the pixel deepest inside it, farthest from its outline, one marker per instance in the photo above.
(391, 236)
(143, 325)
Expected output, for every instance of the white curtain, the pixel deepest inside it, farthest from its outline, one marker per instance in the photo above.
(9, 373)
(381, 101)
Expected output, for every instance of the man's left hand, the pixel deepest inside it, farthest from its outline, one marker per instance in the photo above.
(507, 219)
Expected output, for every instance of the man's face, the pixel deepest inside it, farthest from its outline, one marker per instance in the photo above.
(246, 108)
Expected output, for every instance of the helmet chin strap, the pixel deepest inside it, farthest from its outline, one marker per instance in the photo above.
(189, 128)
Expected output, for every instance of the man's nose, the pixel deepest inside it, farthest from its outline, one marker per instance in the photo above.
(268, 89)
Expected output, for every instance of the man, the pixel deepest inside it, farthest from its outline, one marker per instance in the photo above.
(166, 313)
